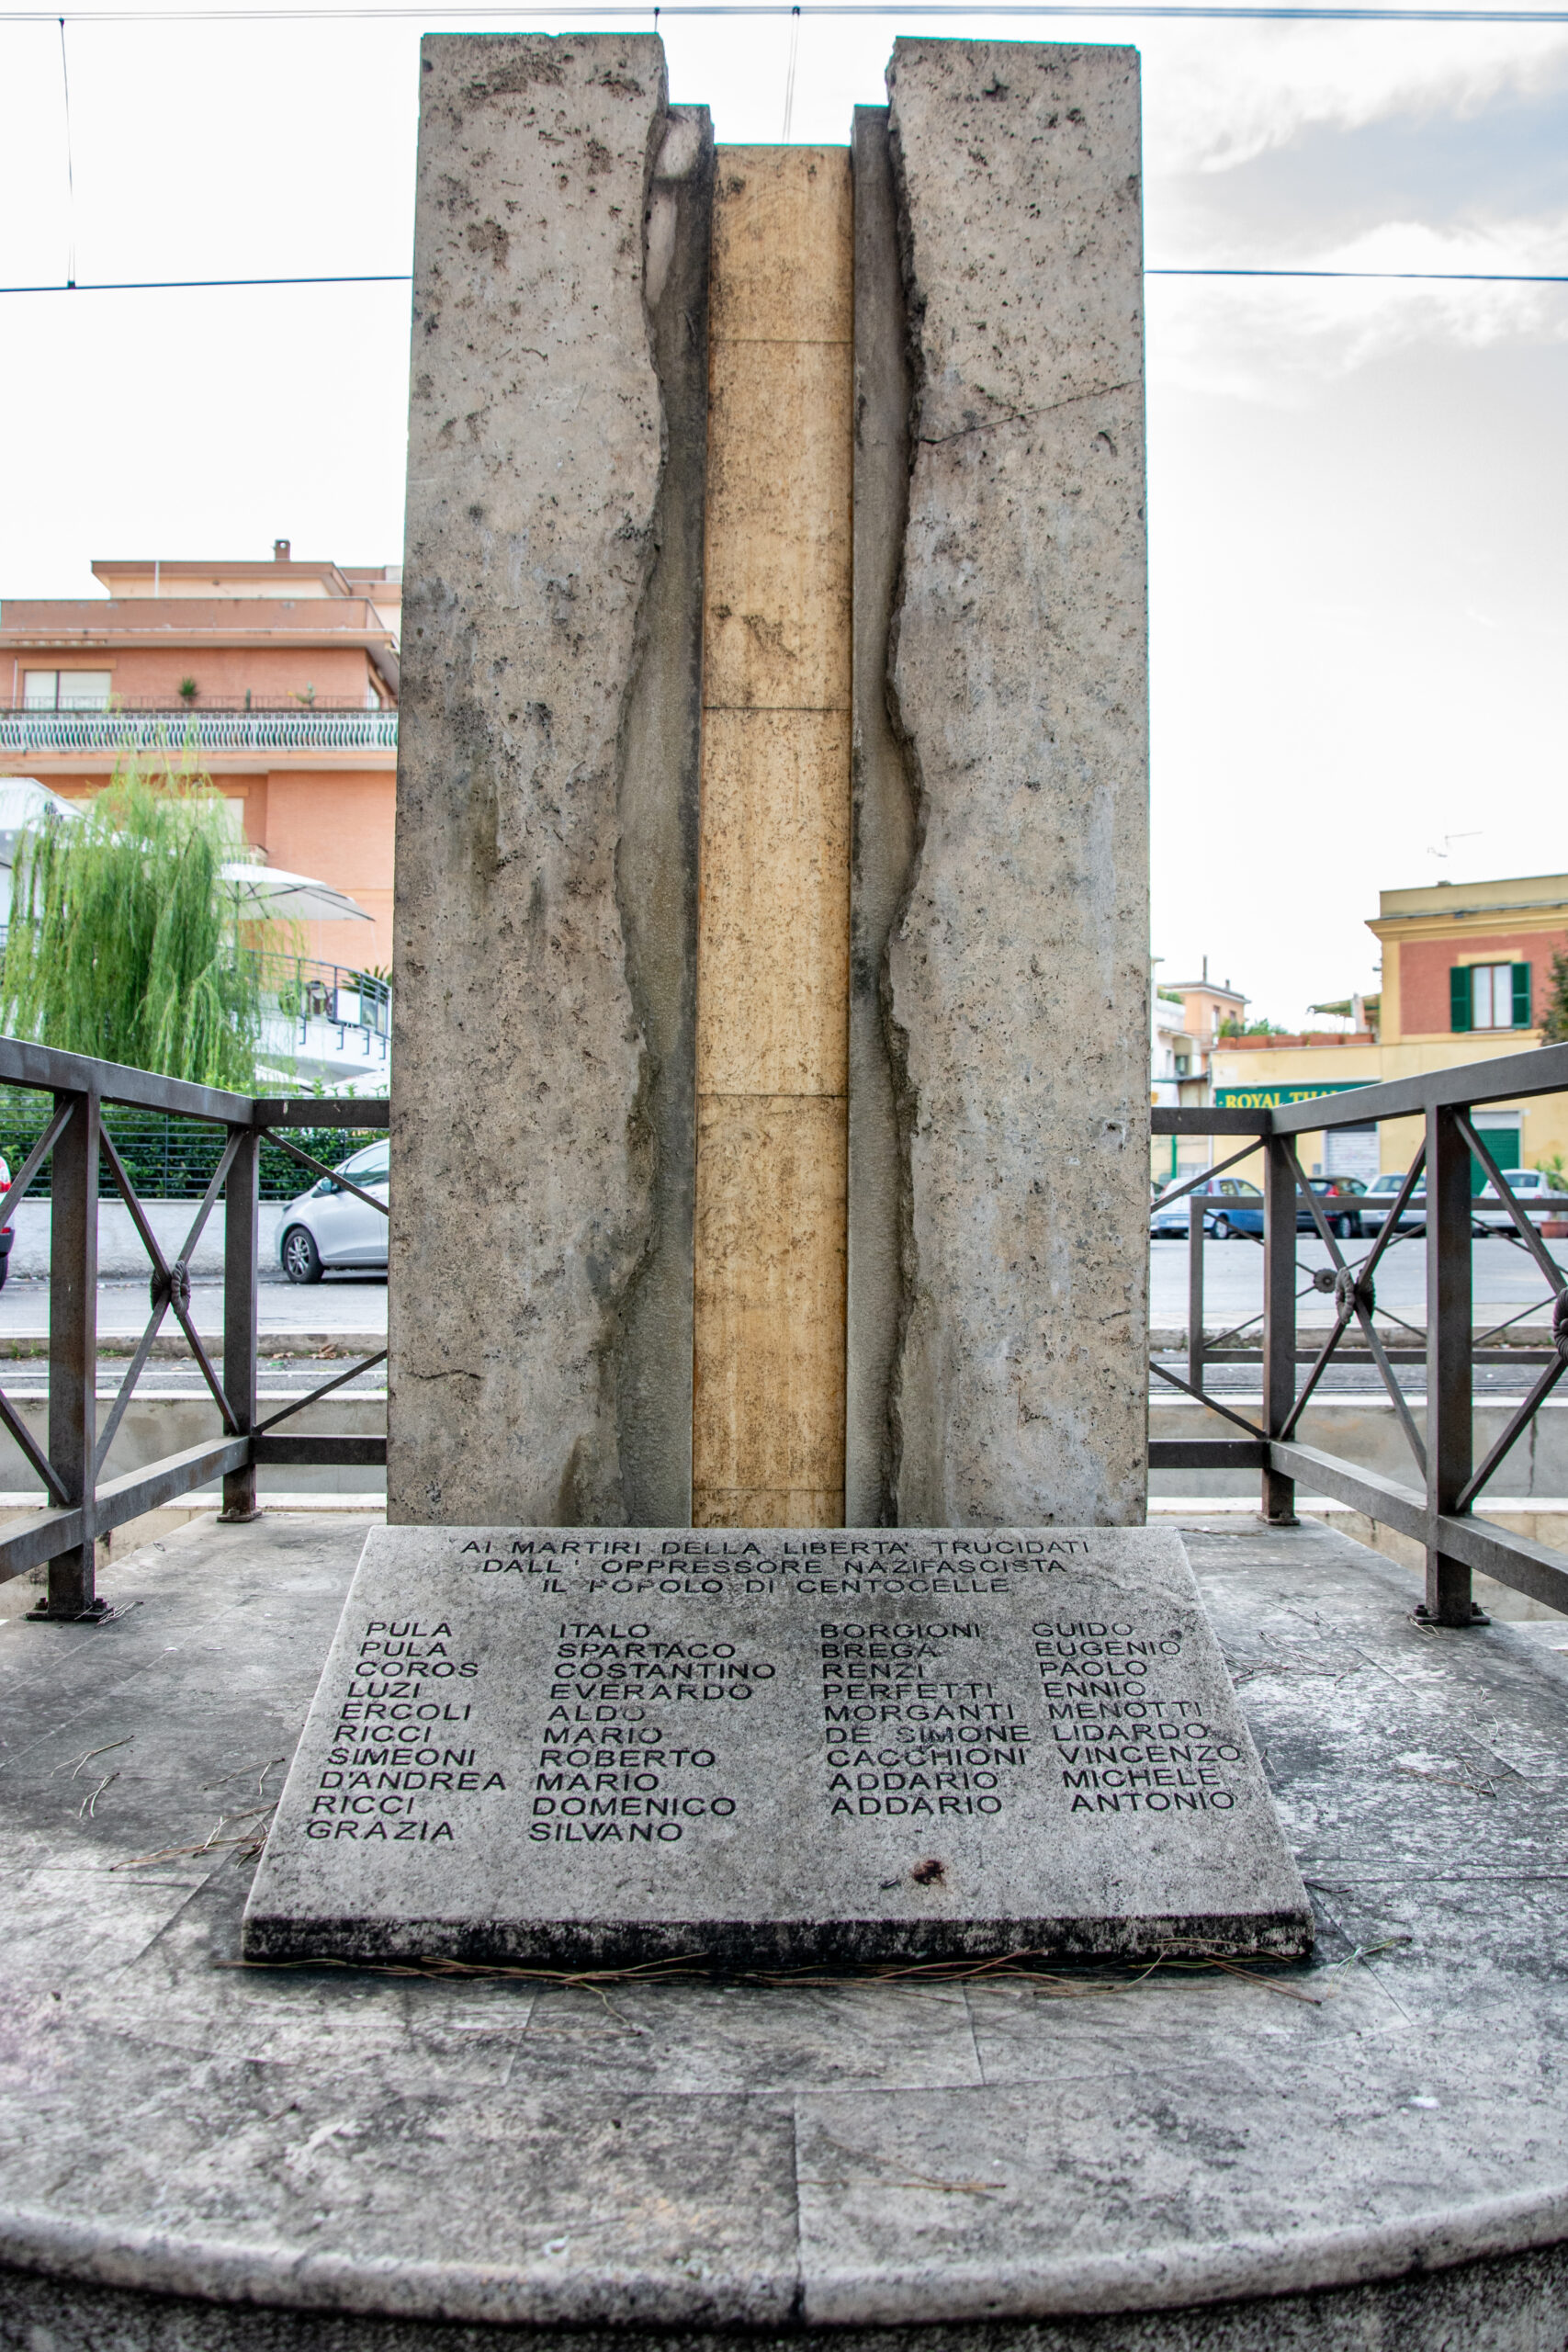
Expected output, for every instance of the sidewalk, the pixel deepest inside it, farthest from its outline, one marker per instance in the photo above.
(303, 1317)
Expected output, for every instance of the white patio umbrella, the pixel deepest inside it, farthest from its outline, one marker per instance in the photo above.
(24, 806)
(267, 891)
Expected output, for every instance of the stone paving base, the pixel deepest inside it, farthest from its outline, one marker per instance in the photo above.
(375, 2163)
(1516, 2305)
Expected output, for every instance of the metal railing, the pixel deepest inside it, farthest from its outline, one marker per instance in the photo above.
(1435, 1203)
(168, 1158)
(81, 1504)
(300, 988)
(1439, 1513)
(28, 731)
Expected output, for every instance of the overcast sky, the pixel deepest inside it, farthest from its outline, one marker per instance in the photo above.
(1358, 493)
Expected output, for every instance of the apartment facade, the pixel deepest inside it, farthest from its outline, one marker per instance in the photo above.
(1186, 1017)
(280, 678)
(1466, 976)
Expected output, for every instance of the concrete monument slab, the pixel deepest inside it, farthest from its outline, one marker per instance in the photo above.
(775, 1748)
(542, 1111)
(1017, 976)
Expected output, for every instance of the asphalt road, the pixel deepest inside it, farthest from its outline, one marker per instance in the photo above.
(352, 1307)
(1506, 1279)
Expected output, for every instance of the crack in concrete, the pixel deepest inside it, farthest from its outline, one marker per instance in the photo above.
(1024, 415)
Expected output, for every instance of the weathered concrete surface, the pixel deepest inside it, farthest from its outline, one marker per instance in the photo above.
(767, 1446)
(1019, 972)
(198, 2155)
(883, 837)
(658, 868)
(526, 1135)
(1500, 1602)
(652, 1745)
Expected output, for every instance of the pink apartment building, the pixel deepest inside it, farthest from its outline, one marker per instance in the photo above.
(282, 676)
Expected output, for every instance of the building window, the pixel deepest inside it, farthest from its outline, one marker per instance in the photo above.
(1489, 996)
(65, 689)
(1183, 1065)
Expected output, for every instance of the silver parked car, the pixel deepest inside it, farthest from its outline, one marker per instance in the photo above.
(330, 1225)
(1529, 1187)
(1377, 1203)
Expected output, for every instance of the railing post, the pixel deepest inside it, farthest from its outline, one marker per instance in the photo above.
(1279, 1317)
(241, 1234)
(73, 1353)
(1450, 1313)
(1195, 1233)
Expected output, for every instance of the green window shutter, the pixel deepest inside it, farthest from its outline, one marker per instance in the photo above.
(1521, 995)
(1459, 998)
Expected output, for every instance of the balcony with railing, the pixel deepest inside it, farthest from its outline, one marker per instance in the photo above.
(324, 1022)
(37, 733)
(301, 989)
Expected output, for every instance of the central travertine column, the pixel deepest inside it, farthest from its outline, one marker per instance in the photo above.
(772, 957)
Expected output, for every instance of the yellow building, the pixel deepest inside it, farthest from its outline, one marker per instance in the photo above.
(1466, 976)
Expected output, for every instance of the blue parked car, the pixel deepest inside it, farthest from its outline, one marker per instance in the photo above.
(1230, 1206)
(1233, 1205)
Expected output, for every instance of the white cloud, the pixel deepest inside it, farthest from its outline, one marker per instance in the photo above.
(1218, 103)
(1277, 340)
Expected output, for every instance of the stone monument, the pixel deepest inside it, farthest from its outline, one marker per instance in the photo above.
(769, 1112)
(769, 1155)
(769, 1091)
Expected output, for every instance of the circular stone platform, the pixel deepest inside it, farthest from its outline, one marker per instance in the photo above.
(1370, 2151)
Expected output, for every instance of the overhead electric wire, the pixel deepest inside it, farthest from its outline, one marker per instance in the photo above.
(1144, 10)
(789, 77)
(1141, 10)
(196, 285)
(404, 277)
(1433, 277)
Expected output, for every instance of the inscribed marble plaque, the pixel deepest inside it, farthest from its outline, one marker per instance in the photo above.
(749, 1747)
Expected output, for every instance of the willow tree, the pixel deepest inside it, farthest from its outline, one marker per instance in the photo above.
(124, 939)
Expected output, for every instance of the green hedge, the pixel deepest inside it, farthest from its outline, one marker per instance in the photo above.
(170, 1158)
